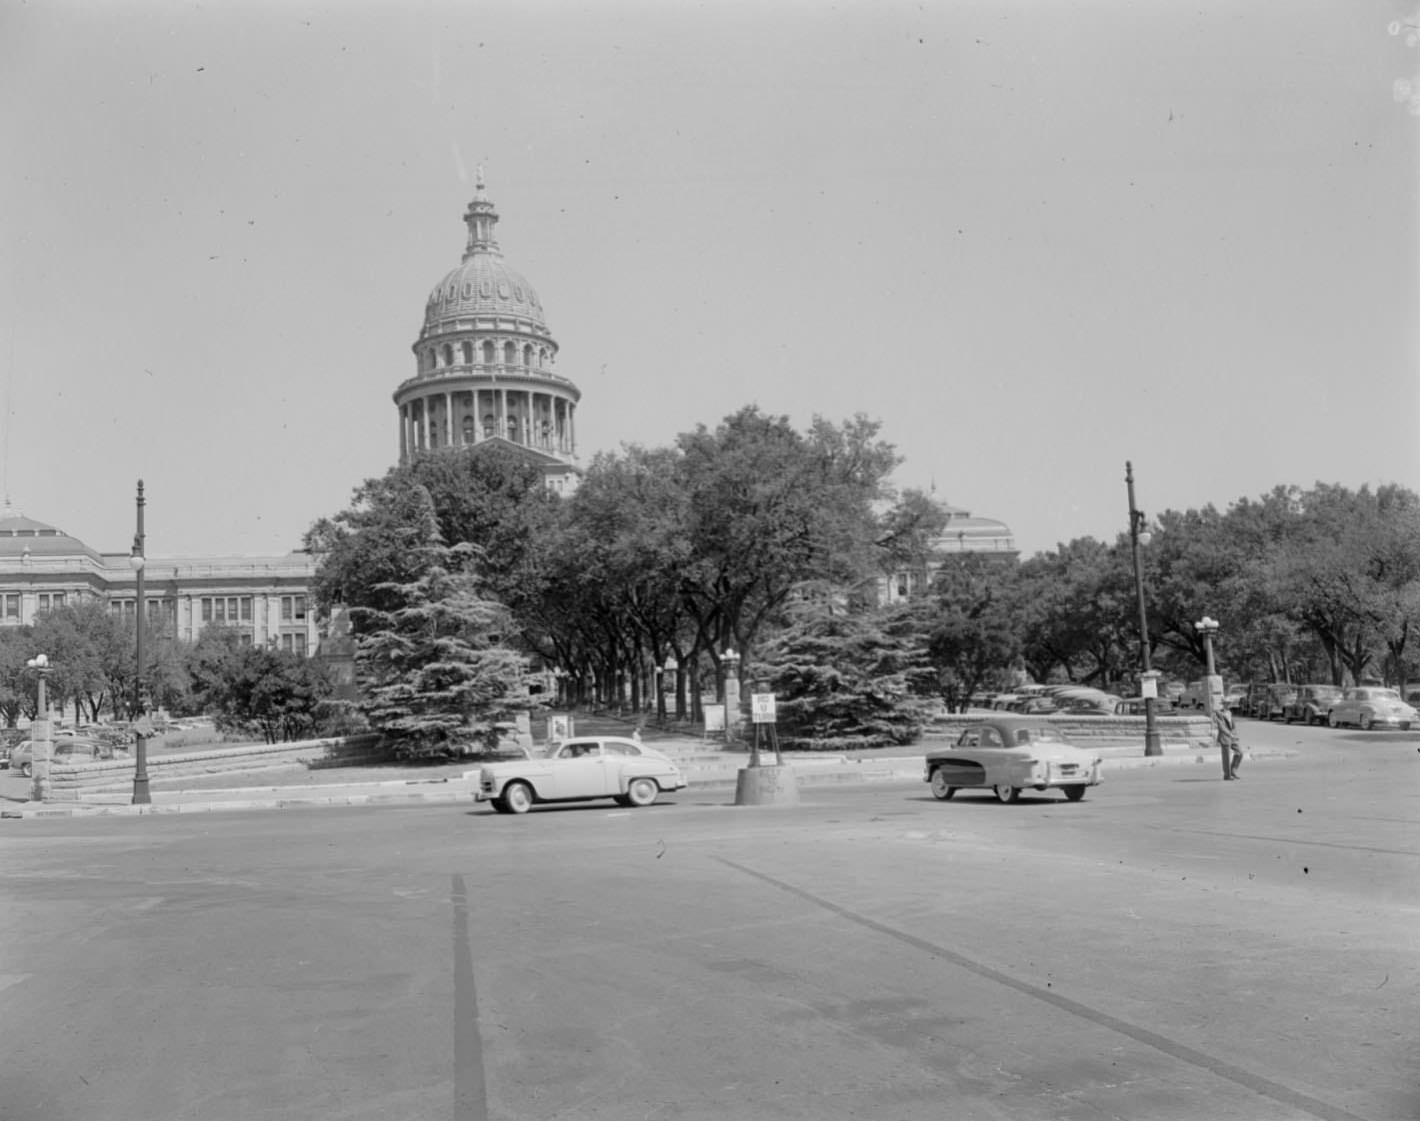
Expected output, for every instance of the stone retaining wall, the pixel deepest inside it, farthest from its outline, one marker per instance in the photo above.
(72, 782)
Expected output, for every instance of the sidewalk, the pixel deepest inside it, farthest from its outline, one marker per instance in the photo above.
(709, 769)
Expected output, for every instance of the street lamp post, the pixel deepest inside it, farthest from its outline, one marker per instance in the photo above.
(1140, 535)
(39, 732)
(1207, 628)
(140, 738)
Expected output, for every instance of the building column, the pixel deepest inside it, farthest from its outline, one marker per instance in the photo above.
(448, 419)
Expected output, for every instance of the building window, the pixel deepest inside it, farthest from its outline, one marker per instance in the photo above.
(293, 608)
(288, 643)
(300, 644)
(207, 611)
(50, 601)
(12, 607)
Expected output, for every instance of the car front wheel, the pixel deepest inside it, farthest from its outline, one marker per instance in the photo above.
(642, 791)
(940, 790)
(1074, 793)
(26, 769)
(499, 806)
(518, 797)
(1331, 721)
(1365, 722)
(1007, 793)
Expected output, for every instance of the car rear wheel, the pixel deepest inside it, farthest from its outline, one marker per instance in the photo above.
(1007, 793)
(518, 797)
(642, 791)
(940, 790)
(1075, 793)
(1365, 721)
(26, 769)
(1331, 721)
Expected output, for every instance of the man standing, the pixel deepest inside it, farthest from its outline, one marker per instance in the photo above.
(1227, 740)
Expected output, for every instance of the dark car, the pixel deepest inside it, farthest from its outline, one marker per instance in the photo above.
(1268, 700)
(1312, 704)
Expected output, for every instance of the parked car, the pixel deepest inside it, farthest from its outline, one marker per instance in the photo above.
(1195, 695)
(64, 751)
(1008, 754)
(1234, 696)
(1370, 706)
(1138, 706)
(580, 770)
(1312, 704)
(1081, 701)
(1268, 700)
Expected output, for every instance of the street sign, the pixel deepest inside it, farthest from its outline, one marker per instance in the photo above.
(762, 708)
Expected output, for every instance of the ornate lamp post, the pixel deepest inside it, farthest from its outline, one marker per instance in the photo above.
(1140, 535)
(39, 732)
(140, 726)
(1207, 628)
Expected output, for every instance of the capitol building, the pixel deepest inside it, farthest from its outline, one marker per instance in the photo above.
(484, 375)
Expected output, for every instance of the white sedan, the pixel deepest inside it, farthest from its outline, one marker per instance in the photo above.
(582, 769)
(1006, 755)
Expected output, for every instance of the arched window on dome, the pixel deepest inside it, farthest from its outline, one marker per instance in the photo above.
(467, 348)
(488, 352)
(510, 354)
(528, 356)
(468, 428)
(513, 429)
(488, 425)
(448, 355)
(429, 359)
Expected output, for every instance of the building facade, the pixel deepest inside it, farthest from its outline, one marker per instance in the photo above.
(266, 600)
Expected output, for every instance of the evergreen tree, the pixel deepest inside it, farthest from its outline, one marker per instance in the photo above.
(840, 675)
(433, 666)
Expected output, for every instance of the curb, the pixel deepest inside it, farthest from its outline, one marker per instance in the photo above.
(824, 772)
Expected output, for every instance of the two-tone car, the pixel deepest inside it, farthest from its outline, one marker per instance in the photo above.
(580, 770)
(1009, 754)
(1371, 706)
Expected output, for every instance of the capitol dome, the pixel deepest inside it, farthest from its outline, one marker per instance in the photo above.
(485, 364)
(482, 285)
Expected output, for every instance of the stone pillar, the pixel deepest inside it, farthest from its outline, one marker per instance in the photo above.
(448, 419)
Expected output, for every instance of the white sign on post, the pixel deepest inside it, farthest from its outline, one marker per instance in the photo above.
(762, 708)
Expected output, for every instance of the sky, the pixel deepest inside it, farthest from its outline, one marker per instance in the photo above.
(1034, 239)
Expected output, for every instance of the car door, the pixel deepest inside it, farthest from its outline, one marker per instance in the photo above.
(580, 770)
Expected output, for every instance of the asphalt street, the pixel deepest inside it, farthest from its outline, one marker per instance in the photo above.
(1173, 947)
